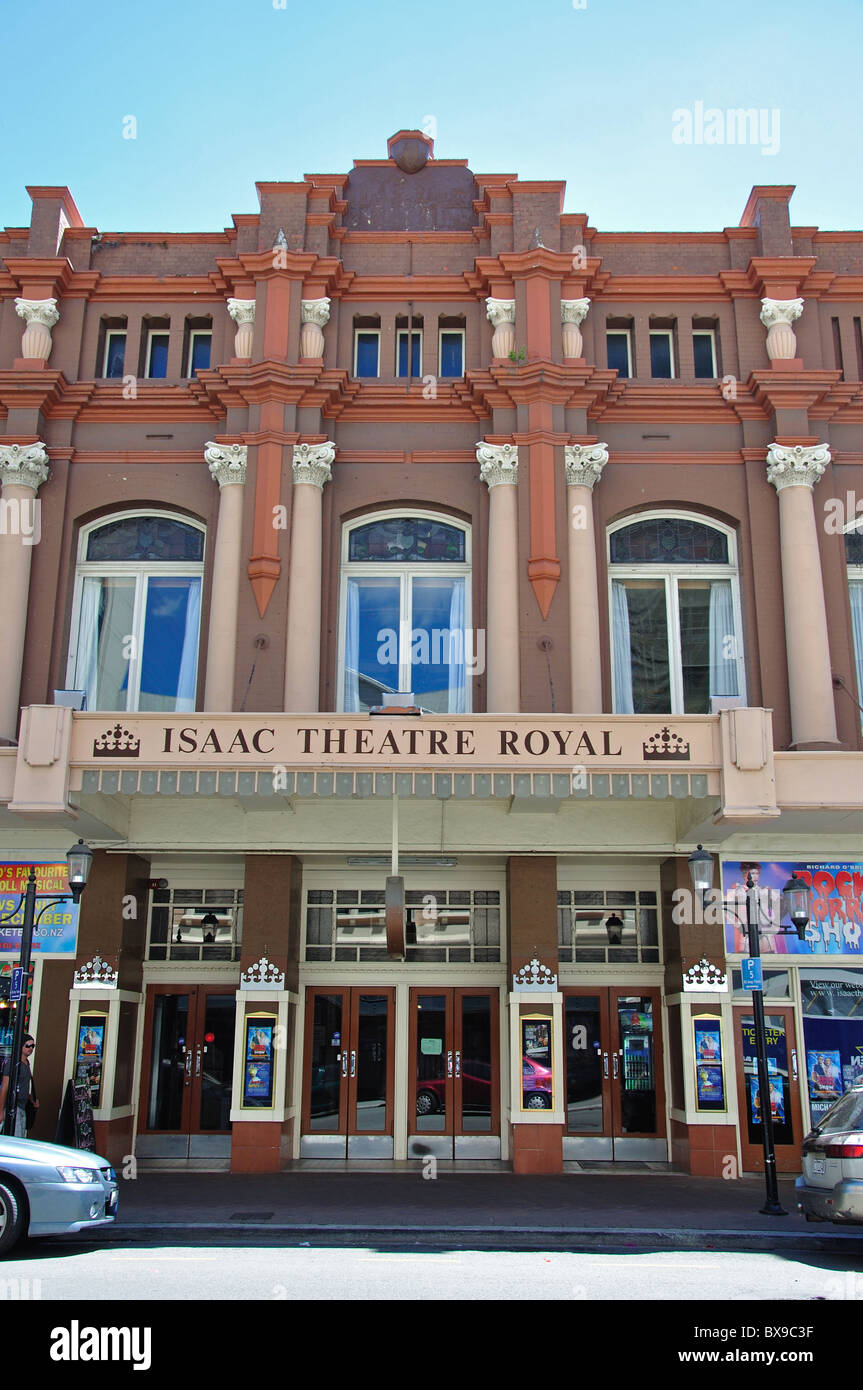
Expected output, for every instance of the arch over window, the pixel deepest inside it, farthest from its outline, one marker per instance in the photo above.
(136, 619)
(675, 615)
(405, 612)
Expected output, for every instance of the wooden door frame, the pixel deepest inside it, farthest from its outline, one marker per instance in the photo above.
(787, 1155)
(448, 1131)
(486, 991)
(152, 992)
(202, 993)
(312, 991)
(655, 993)
(350, 995)
(602, 992)
(390, 994)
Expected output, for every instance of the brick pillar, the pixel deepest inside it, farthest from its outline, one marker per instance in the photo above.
(531, 883)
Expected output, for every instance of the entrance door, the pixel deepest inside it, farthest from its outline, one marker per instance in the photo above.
(348, 1090)
(784, 1089)
(454, 1101)
(187, 1074)
(615, 1096)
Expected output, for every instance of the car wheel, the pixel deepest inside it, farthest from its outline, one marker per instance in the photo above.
(11, 1217)
(538, 1101)
(426, 1103)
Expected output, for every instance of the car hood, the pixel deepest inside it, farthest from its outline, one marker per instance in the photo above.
(40, 1152)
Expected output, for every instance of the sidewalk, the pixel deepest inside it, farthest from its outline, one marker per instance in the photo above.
(469, 1209)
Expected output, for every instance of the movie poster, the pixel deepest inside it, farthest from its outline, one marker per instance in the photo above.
(777, 1100)
(258, 1075)
(88, 1062)
(824, 1070)
(709, 1071)
(836, 912)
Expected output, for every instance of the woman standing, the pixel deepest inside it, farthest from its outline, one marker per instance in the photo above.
(25, 1088)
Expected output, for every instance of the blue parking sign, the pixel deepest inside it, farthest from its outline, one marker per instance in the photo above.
(17, 985)
(752, 971)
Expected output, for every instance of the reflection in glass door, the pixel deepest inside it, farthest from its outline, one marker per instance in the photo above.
(782, 1071)
(615, 1103)
(348, 1085)
(453, 1107)
(187, 1076)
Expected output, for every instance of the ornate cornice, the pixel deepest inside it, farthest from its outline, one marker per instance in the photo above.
(25, 465)
(500, 311)
(315, 311)
(796, 466)
(584, 464)
(498, 463)
(227, 462)
(780, 311)
(42, 311)
(311, 463)
(574, 310)
(242, 310)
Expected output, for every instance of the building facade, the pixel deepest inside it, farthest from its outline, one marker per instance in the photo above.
(398, 585)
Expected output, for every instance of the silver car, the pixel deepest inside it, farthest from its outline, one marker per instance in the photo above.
(48, 1190)
(831, 1188)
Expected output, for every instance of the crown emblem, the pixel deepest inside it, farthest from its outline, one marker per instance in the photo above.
(116, 743)
(705, 978)
(262, 974)
(533, 977)
(95, 972)
(665, 747)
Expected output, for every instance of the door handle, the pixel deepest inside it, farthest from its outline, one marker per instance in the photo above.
(458, 1064)
(794, 1061)
(616, 1067)
(188, 1067)
(449, 1064)
(198, 1060)
(605, 1065)
(344, 1064)
(353, 1063)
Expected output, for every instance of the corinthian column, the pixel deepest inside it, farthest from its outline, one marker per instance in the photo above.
(584, 465)
(501, 315)
(573, 312)
(499, 470)
(315, 313)
(794, 473)
(227, 464)
(23, 468)
(242, 311)
(312, 468)
(39, 315)
(777, 315)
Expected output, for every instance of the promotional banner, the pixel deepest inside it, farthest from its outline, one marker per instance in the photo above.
(57, 931)
(836, 911)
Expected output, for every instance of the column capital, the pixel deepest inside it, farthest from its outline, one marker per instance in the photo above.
(26, 465)
(574, 310)
(584, 464)
(315, 311)
(498, 463)
(227, 462)
(42, 311)
(796, 466)
(500, 311)
(311, 463)
(241, 310)
(780, 311)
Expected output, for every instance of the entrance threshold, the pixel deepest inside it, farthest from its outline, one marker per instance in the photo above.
(395, 1165)
(183, 1165)
(618, 1169)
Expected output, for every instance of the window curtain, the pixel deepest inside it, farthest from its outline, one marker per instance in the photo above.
(352, 648)
(86, 666)
(723, 663)
(457, 645)
(189, 658)
(855, 589)
(622, 649)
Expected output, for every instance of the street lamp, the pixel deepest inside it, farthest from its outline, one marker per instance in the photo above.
(795, 904)
(701, 870)
(79, 858)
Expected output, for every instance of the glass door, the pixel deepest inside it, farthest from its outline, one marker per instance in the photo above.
(615, 1097)
(187, 1076)
(454, 1104)
(347, 1100)
(782, 1071)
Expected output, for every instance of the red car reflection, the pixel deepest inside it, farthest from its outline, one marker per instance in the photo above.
(476, 1089)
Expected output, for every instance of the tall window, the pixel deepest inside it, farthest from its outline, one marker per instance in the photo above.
(675, 615)
(405, 603)
(854, 561)
(137, 613)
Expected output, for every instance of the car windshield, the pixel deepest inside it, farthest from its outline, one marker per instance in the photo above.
(846, 1114)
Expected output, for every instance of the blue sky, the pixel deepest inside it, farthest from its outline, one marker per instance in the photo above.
(227, 92)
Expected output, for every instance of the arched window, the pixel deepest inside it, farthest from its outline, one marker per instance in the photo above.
(405, 606)
(675, 615)
(136, 618)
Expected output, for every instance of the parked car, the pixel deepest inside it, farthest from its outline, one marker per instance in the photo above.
(831, 1188)
(48, 1190)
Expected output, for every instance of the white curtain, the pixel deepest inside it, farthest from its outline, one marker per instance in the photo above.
(352, 648)
(622, 653)
(87, 664)
(457, 642)
(189, 658)
(855, 589)
(723, 643)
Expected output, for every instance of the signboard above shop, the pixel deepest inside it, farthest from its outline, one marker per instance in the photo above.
(57, 931)
(836, 912)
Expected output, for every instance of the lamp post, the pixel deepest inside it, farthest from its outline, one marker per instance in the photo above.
(79, 858)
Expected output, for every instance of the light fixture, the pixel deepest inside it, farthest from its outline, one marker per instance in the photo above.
(79, 859)
(614, 927)
(795, 904)
(701, 870)
(422, 861)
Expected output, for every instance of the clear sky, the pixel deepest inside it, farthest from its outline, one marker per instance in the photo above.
(227, 92)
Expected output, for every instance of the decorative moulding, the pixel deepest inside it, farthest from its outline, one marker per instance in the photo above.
(25, 465)
(705, 978)
(311, 463)
(533, 978)
(584, 464)
(95, 972)
(498, 463)
(665, 747)
(777, 315)
(263, 974)
(796, 466)
(227, 462)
